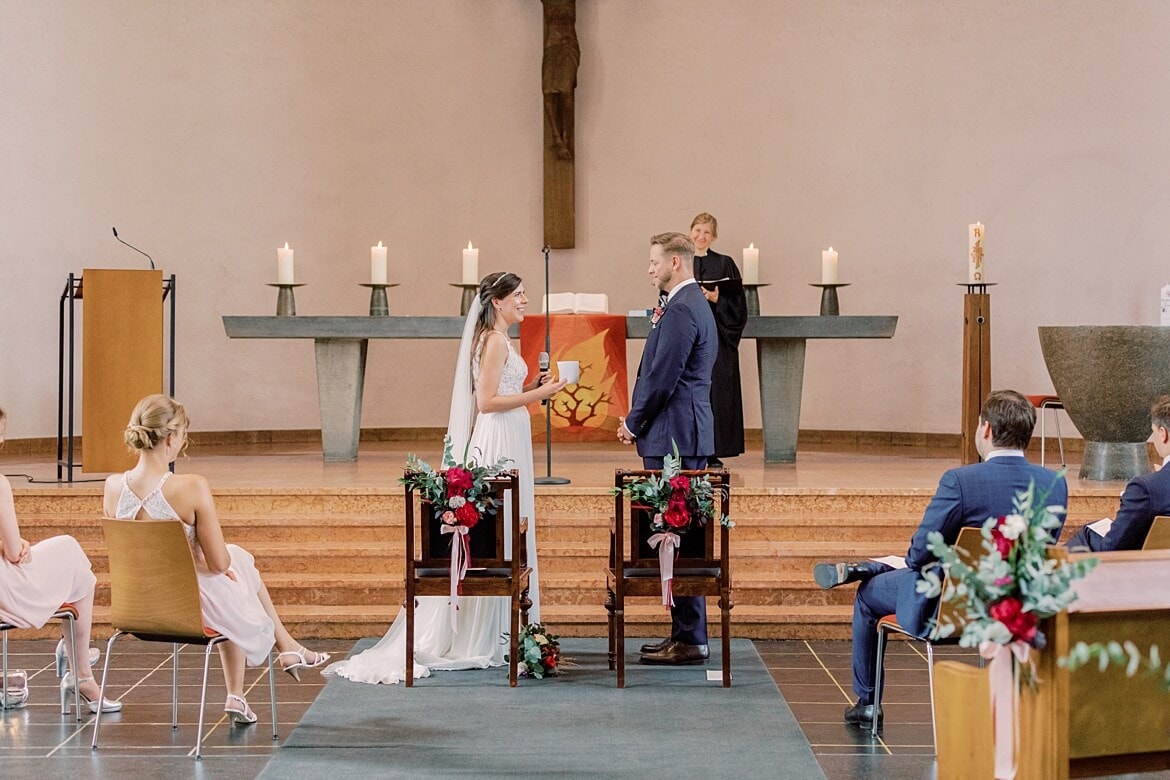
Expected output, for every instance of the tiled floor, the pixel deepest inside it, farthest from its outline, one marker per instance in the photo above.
(816, 681)
(37, 741)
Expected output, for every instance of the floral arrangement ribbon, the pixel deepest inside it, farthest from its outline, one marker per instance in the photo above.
(1004, 679)
(667, 543)
(460, 555)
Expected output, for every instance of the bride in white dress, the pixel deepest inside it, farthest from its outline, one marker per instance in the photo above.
(501, 430)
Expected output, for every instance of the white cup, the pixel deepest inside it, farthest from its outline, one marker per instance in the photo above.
(569, 370)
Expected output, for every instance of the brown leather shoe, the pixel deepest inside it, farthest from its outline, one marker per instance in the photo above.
(655, 647)
(677, 654)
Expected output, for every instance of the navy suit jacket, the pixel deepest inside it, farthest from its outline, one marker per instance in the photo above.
(967, 496)
(672, 394)
(1145, 498)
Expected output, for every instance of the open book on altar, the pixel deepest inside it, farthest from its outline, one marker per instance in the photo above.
(576, 303)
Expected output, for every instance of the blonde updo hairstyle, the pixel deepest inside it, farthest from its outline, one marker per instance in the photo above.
(154, 418)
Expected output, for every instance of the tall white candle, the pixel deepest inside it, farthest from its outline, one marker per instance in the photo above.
(470, 264)
(976, 274)
(828, 266)
(284, 265)
(378, 264)
(751, 264)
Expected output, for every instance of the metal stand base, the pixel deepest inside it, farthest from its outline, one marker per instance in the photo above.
(1109, 460)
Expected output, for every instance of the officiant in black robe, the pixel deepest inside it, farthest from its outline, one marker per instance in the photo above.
(720, 280)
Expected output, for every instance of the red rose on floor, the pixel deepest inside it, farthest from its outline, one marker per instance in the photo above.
(676, 515)
(458, 481)
(1010, 612)
(680, 482)
(467, 515)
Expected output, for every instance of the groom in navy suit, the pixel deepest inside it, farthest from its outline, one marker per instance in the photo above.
(672, 407)
(966, 496)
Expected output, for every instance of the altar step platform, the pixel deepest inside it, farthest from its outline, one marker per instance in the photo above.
(332, 554)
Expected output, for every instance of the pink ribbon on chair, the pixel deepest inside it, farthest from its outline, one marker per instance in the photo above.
(460, 555)
(1004, 679)
(667, 543)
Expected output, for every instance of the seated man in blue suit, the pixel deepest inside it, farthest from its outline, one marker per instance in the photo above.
(966, 496)
(1145, 497)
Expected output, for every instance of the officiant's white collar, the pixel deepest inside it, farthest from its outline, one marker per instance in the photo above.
(678, 287)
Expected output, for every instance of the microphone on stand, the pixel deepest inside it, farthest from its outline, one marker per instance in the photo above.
(542, 361)
(136, 249)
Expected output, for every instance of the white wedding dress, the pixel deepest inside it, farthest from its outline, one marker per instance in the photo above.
(476, 641)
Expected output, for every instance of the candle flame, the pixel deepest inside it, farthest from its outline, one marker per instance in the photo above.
(379, 244)
(830, 249)
(752, 245)
(469, 246)
(286, 245)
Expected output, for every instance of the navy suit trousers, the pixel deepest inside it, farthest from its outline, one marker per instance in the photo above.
(876, 598)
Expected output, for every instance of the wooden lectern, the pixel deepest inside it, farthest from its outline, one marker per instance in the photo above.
(121, 360)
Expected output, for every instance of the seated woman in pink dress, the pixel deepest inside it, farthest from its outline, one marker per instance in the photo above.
(36, 580)
(234, 600)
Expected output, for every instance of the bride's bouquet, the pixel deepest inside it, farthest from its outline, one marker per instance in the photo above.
(540, 652)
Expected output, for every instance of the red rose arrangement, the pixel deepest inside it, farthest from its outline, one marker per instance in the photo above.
(678, 503)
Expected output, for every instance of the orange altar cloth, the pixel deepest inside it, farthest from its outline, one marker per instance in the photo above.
(589, 410)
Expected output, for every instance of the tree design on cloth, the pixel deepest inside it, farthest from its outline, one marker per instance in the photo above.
(585, 404)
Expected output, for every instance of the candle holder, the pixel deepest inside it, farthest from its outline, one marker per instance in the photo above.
(468, 296)
(379, 303)
(286, 305)
(829, 305)
(752, 293)
(977, 288)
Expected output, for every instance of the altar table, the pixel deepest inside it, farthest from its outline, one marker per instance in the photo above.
(341, 344)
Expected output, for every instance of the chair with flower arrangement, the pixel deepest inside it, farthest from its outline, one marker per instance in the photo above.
(967, 545)
(431, 568)
(700, 568)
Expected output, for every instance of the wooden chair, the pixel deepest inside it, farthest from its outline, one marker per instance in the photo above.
(968, 546)
(67, 613)
(1158, 537)
(154, 596)
(698, 569)
(493, 571)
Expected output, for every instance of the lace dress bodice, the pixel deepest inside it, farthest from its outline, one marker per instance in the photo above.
(156, 505)
(513, 376)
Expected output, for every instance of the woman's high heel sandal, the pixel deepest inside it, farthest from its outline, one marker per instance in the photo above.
(294, 668)
(62, 658)
(68, 683)
(238, 711)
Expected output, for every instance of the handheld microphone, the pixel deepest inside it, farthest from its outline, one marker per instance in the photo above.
(542, 361)
(136, 249)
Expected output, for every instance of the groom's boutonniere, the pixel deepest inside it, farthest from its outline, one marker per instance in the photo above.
(656, 316)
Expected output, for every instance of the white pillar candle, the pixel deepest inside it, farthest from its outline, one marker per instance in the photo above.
(976, 274)
(751, 264)
(284, 265)
(378, 264)
(470, 265)
(828, 266)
